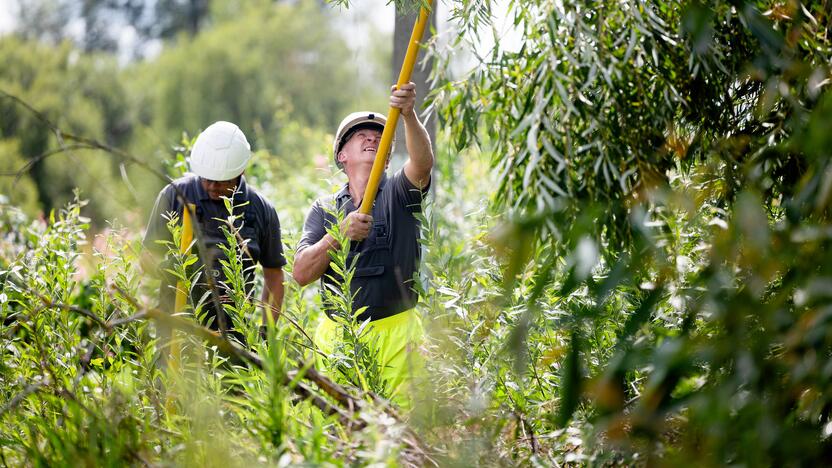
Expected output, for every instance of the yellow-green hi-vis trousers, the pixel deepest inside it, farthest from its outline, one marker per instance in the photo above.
(396, 339)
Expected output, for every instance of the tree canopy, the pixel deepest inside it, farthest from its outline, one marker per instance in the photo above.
(663, 163)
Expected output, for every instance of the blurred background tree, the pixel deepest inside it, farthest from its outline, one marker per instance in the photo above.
(83, 95)
(139, 74)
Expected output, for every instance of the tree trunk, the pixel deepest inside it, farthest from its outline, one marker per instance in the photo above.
(196, 11)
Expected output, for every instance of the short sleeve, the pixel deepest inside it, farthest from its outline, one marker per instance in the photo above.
(408, 194)
(157, 225)
(271, 247)
(314, 227)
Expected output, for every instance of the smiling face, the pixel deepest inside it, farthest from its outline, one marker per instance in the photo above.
(360, 149)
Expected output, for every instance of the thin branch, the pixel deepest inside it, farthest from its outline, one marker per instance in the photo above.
(292, 321)
(352, 404)
(343, 417)
(526, 427)
(336, 391)
(36, 159)
(30, 389)
(81, 141)
(79, 310)
(133, 318)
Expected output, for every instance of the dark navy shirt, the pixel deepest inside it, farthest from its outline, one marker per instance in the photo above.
(388, 258)
(258, 223)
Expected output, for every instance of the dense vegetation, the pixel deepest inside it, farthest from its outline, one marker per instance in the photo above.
(653, 178)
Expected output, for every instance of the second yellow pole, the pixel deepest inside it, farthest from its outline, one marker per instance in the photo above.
(185, 241)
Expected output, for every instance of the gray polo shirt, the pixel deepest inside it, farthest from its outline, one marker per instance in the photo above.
(258, 223)
(389, 258)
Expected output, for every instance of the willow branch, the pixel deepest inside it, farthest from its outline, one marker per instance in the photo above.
(30, 389)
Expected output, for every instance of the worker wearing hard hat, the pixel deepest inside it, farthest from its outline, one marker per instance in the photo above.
(217, 162)
(386, 243)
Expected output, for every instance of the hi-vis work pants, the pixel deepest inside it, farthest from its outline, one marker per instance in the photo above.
(396, 339)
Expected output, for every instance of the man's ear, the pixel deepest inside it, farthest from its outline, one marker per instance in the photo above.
(342, 158)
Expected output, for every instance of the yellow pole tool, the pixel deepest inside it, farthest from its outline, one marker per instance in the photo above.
(393, 114)
(185, 241)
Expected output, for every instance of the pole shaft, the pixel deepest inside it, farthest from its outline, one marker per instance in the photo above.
(187, 237)
(185, 241)
(393, 113)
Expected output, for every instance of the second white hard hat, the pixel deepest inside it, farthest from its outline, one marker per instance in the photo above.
(221, 152)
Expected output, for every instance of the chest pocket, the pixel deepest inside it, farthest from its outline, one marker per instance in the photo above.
(251, 231)
(380, 235)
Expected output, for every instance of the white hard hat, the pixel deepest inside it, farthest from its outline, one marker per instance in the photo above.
(352, 121)
(221, 152)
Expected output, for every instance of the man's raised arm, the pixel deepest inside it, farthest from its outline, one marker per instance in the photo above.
(418, 166)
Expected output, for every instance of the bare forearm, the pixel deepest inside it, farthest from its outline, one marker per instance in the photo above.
(419, 149)
(272, 296)
(313, 261)
(418, 142)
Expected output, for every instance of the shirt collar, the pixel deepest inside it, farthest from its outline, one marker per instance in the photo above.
(345, 189)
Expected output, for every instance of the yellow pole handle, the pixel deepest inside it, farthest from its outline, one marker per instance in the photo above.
(184, 244)
(393, 114)
(185, 241)
(187, 237)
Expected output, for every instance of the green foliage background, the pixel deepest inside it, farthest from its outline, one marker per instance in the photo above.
(275, 70)
(626, 253)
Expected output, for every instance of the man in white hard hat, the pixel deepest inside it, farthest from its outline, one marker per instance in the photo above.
(386, 242)
(217, 161)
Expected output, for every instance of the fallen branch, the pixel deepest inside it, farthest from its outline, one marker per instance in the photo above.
(230, 349)
(352, 404)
